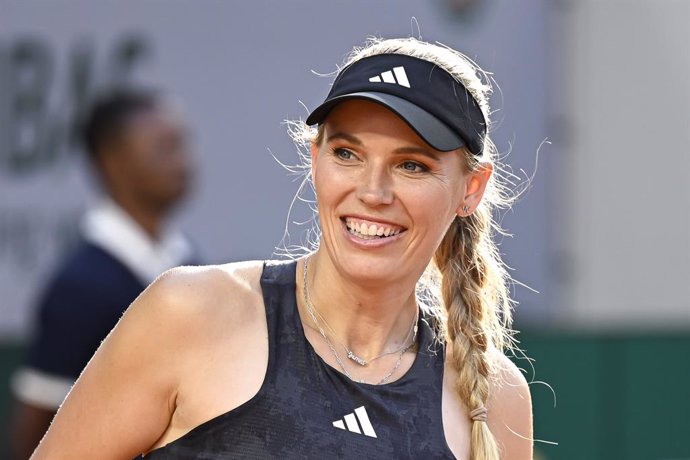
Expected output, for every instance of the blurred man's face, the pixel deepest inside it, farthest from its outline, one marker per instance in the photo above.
(154, 158)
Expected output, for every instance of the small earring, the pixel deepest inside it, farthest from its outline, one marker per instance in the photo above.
(466, 209)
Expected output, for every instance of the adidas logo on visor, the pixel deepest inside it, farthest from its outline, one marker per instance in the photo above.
(396, 76)
(360, 415)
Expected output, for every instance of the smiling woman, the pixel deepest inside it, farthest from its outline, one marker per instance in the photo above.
(387, 341)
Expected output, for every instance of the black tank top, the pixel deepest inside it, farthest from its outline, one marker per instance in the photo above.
(305, 409)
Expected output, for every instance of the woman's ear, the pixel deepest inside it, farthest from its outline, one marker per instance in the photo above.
(475, 185)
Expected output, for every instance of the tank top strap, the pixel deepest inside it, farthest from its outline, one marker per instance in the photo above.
(278, 288)
(286, 341)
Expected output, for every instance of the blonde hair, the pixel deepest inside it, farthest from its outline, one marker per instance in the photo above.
(465, 287)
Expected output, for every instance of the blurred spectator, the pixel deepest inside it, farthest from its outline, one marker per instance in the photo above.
(138, 147)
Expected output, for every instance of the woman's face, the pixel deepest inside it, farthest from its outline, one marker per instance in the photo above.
(385, 197)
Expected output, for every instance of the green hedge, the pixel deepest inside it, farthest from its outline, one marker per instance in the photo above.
(623, 397)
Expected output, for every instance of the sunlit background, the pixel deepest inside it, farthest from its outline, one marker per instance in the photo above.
(591, 102)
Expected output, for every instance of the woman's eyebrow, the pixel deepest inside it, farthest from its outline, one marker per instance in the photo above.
(344, 136)
(419, 150)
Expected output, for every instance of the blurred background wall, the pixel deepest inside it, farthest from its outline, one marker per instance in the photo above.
(601, 237)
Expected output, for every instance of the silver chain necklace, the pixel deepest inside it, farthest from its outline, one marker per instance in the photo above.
(350, 354)
(313, 313)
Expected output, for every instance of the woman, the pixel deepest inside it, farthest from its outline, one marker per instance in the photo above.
(386, 342)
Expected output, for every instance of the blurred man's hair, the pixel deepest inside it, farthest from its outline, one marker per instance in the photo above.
(109, 114)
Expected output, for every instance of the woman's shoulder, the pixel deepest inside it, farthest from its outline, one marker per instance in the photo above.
(504, 371)
(191, 295)
(235, 275)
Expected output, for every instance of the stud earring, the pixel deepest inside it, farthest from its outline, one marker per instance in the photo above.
(466, 209)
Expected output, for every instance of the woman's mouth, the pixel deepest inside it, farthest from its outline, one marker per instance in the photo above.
(367, 230)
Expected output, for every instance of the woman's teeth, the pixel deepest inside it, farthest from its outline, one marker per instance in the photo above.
(371, 231)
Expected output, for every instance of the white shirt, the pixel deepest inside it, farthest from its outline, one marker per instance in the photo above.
(112, 229)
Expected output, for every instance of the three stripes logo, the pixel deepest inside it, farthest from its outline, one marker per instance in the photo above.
(351, 420)
(396, 76)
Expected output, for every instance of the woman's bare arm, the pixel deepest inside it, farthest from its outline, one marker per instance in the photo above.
(124, 399)
(510, 412)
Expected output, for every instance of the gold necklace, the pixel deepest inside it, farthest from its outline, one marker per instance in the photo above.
(313, 313)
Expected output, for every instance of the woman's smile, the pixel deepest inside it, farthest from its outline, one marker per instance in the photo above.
(369, 233)
(368, 228)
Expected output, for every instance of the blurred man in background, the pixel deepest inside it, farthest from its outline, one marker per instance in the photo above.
(138, 146)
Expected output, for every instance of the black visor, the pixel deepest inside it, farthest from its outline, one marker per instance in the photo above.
(437, 107)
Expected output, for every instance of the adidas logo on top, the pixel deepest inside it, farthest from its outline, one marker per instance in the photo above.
(396, 76)
(360, 415)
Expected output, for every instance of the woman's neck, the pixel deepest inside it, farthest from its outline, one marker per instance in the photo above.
(368, 319)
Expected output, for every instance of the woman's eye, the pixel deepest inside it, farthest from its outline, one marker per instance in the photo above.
(414, 167)
(343, 154)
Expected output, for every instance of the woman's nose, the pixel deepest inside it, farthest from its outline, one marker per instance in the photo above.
(375, 187)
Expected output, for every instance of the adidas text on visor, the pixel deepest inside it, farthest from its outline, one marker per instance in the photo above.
(436, 106)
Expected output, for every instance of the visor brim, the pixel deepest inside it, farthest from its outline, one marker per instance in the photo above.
(432, 130)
